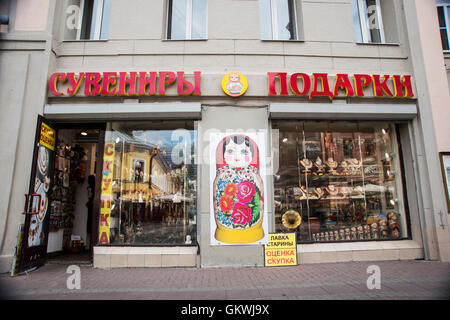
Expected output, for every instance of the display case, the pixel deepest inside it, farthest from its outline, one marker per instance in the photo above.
(343, 178)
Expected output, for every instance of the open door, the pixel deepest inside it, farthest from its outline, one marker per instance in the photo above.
(33, 251)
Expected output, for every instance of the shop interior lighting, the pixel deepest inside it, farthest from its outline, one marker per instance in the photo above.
(83, 133)
(285, 139)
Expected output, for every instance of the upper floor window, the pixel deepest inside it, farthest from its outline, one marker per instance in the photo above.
(375, 21)
(443, 9)
(87, 20)
(278, 19)
(368, 21)
(186, 20)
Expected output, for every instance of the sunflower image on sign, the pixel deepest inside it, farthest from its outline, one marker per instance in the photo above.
(238, 191)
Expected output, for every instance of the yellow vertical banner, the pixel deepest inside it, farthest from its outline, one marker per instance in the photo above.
(106, 194)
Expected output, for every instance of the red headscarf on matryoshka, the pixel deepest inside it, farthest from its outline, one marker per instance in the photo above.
(220, 161)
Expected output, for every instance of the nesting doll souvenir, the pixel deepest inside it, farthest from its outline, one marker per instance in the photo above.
(366, 231)
(359, 233)
(383, 227)
(336, 235)
(238, 191)
(347, 234)
(394, 225)
(354, 235)
(374, 230)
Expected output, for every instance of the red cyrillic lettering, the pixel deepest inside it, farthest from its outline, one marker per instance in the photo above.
(360, 85)
(124, 80)
(109, 149)
(197, 90)
(92, 80)
(74, 83)
(104, 220)
(103, 238)
(400, 83)
(294, 85)
(381, 87)
(325, 86)
(342, 82)
(109, 78)
(283, 83)
(181, 83)
(54, 78)
(163, 81)
(150, 81)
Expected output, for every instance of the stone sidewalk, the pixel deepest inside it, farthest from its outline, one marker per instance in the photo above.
(400, 280)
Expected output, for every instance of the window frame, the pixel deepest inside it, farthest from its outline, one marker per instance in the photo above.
(188, 24)
(445, 5)
(99, 27)
(274, 21)
(365, 37)
(398, 162)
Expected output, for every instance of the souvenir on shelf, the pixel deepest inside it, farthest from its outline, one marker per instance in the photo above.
(336, 235)
(332, 165)
(383, 227)
(394, 226)
(359, 233)
(374, 230)
(307, 164)
(355, 165)
(341, 234)
(346, 191)
(346, 168)
(347, 234)
(319, 192)
(333, 191)
(326, 237)
(366, 231)
(354, 235)
(331, 235)
(320, 167)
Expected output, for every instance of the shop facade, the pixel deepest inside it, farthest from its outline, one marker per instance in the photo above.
(151, 152)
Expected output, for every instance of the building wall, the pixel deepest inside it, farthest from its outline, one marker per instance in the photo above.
(136, 43)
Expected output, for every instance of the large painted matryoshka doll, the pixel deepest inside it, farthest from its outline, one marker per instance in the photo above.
(238, 191)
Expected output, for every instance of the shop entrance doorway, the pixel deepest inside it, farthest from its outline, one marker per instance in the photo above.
(62, 204)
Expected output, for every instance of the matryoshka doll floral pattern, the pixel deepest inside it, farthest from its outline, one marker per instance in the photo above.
(238, 191)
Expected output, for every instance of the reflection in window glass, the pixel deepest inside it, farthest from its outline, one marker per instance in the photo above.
(277, 19)
(338, 181)
(368, 21)
(151, 186)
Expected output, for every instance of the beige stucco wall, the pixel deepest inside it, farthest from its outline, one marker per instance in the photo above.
(31, 15)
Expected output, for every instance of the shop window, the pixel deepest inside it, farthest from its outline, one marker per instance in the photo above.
(149, 184)
(87, 20)
(278, 19)
(186, 20)
(375, 21)
(443, 9)
(338, 181)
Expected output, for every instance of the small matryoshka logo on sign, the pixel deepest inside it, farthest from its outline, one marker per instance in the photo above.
(234, 84)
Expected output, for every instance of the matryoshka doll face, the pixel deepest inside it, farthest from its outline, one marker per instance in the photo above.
(237, 155)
